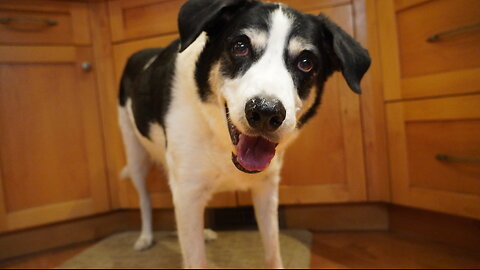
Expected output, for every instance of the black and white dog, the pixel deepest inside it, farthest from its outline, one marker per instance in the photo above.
(218, 107)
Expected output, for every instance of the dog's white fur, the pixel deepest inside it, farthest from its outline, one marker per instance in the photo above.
(197, 159)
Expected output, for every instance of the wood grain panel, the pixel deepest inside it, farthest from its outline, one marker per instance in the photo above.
(52, 153)
(144, 18)
(441, 84)
(389, 51)
(458, 107)
(107, 96)
(122, 52)
(41, 137)
(32, 54)
(404, 4)
(318, 154)
(372, 104)
(338, 217)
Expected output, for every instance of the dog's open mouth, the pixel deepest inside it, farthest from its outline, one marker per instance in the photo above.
(254, 153)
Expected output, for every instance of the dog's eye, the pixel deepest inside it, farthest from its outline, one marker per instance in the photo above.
(240, 48)
(305, 64)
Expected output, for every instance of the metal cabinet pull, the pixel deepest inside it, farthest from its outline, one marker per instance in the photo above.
(447, 158)
(9, 20)
(453, 32)
(87, 66)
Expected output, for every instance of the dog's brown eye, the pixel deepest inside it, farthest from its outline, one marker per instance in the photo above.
(305, 64)
(240, 48)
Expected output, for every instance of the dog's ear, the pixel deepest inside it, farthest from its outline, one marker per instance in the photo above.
(347, 55)
(197, 16)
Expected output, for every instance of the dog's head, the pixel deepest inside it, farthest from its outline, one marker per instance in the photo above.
(266, 64)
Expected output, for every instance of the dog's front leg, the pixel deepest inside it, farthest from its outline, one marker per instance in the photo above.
(265, 199)
(190, 203)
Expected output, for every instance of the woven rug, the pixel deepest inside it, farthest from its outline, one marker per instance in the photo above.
(232, 249)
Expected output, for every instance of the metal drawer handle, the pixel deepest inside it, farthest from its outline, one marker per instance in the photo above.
(447, 158)
(9, 20)
(453, 32)
(87, 66)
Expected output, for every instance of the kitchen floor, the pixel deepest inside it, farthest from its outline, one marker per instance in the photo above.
(329, 250)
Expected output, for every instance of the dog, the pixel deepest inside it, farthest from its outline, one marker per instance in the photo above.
(218, 107)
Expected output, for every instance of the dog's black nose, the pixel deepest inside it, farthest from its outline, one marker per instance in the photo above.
(264, 113)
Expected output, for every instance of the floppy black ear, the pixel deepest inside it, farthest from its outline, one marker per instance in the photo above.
(349, 56)
(197, 15)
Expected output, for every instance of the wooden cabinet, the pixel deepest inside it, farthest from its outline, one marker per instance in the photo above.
(433, 113)
(51, 156)
(435, 154)
(52, 164)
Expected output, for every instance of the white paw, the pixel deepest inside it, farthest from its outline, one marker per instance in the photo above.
(209, 235)
(143, 243)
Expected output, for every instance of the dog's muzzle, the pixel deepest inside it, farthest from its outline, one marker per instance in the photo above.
(254, 153)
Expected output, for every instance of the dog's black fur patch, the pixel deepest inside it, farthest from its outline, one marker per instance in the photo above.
(221, 37)
(256, 17)
(150, 89)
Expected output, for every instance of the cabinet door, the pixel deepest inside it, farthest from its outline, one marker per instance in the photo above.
(157, 181)
(51, 151)
(137, 19)
(435, 154)
(325, 164)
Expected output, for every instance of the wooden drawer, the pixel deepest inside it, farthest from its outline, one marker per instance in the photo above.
(445, 65)
(435, 154)
(454, 51)
(444, 155)
(132, 19)
(44, 23)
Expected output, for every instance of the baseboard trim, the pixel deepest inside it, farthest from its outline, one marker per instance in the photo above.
(338, 217)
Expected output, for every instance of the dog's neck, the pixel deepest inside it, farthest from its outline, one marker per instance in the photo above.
(186, 87)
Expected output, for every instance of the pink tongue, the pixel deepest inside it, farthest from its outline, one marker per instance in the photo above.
(254, 153)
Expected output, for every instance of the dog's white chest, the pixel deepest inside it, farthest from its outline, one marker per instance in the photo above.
(197, 150)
